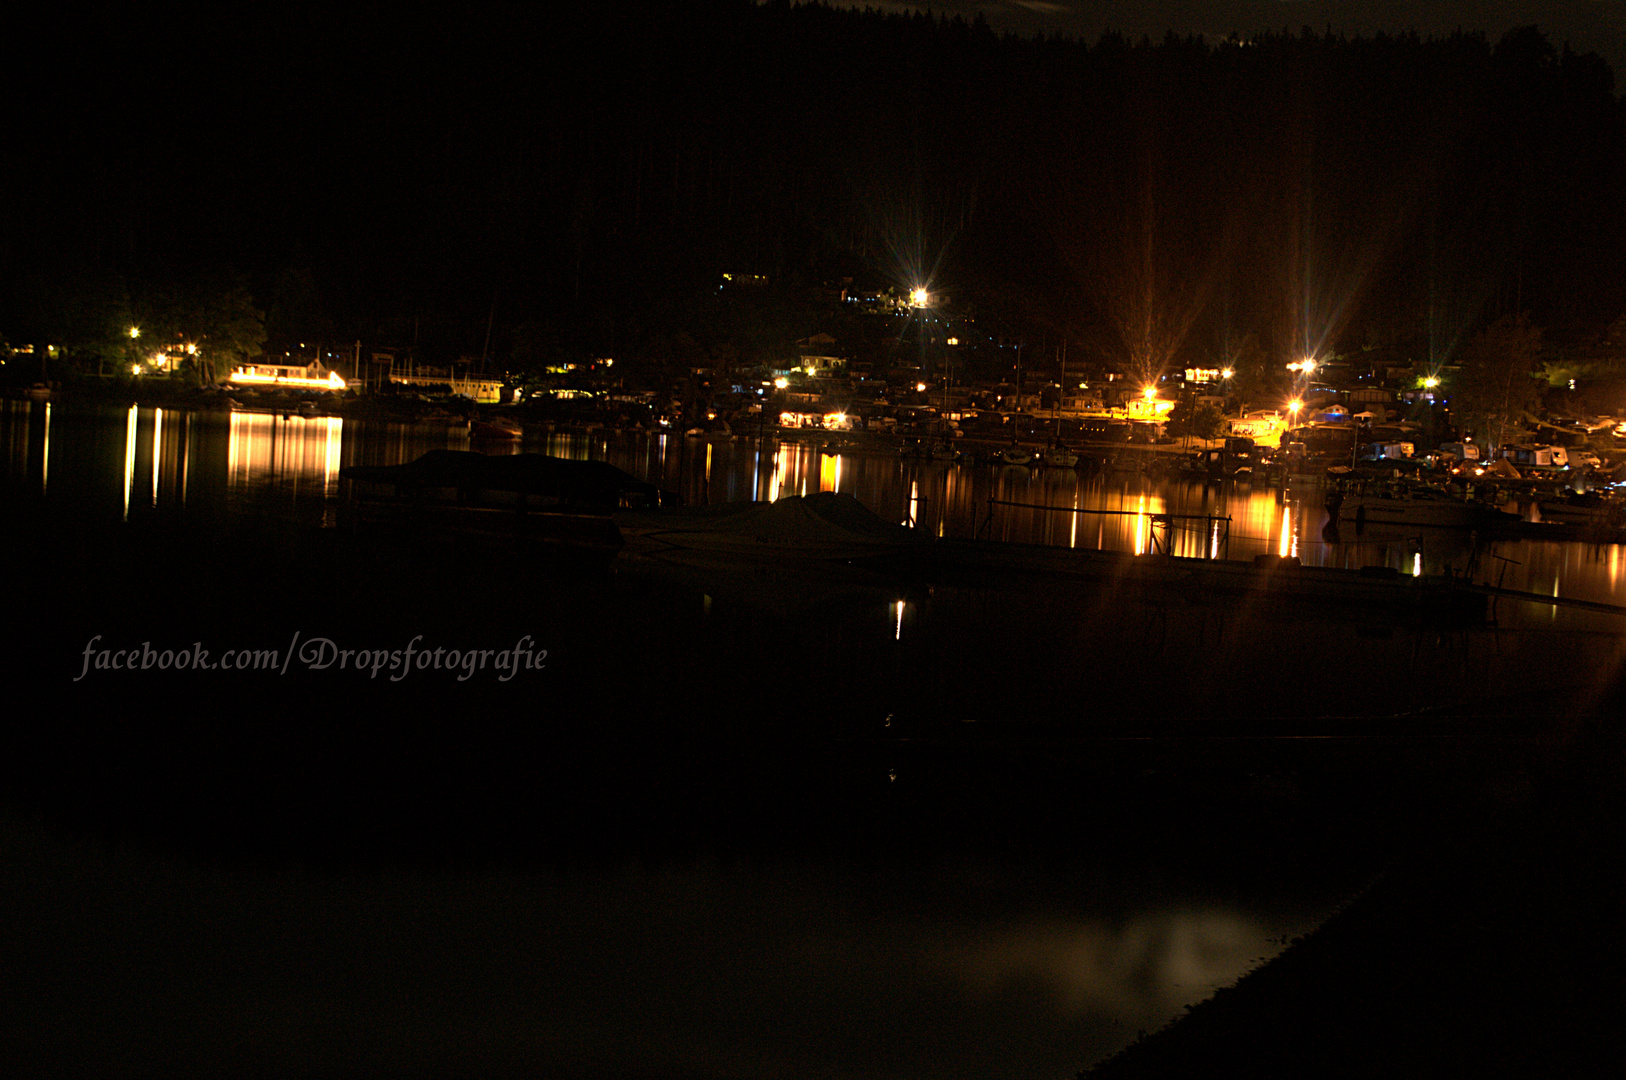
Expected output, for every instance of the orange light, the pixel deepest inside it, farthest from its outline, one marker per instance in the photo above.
(333, 381)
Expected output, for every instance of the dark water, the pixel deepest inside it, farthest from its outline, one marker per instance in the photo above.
(784, 823)
(138, 459)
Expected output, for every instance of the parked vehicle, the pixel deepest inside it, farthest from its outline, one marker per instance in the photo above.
(1585, 459)
(1535, 458)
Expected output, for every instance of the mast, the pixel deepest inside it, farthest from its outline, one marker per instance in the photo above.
(1016, 413)
(1063, 388)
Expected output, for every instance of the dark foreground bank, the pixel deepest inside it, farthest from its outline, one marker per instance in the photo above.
(1493, 947)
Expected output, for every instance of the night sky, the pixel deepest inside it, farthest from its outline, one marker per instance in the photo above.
(388, 176)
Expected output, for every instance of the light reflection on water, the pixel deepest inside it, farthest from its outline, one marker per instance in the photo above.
(266, 448)
(1051, 992)
(642, 971)
(153, 457)
(1149, 965)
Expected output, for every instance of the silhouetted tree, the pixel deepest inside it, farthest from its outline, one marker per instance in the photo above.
(1497, 385)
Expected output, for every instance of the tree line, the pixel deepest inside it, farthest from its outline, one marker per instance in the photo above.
(526, 186)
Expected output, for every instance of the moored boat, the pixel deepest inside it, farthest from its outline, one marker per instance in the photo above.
(1359, 509)
(1060, 457)
(1588, 509)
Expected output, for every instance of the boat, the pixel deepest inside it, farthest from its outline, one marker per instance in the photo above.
(818, 526)
(1127, 462)
(1218, 463)
(1057, 453)
(1061, 457)
(786, 556)
(1588, 509)
(1357, 508)
(1015, 455)
(470, 475)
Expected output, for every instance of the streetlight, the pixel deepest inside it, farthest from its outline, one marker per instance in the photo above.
(918, 297)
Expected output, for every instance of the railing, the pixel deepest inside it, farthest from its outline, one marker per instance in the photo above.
(1212, 537)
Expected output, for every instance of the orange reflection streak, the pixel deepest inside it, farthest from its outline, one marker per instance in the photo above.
(829, 473)
(781, 473)
(298, 450)
(1283, 548)
(335, 454)
(157, 449)
(949, 499)
(45, 455)
(129, 457)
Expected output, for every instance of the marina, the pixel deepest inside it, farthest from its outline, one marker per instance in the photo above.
(140, 460)
(812, 541)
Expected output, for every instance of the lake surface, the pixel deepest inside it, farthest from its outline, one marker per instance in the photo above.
(964, 830)
(138, 459)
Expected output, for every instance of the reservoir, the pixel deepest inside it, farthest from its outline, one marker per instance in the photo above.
(806, 822)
